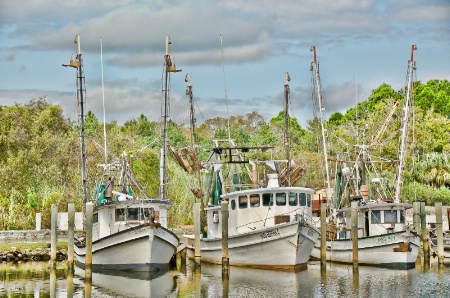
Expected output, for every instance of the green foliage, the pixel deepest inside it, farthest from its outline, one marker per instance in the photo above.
(40, 150)
(434, 94)
(419, 192)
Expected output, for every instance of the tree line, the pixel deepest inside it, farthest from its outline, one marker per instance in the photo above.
(40, 156)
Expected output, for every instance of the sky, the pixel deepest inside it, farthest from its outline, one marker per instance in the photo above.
(235, 51)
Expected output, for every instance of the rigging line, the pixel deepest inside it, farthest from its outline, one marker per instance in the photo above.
(225, 87)
(103, 95)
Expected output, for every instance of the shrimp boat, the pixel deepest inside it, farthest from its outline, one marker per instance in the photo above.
(269, 221)
(385, 238)
(129, 232)
(268, 228)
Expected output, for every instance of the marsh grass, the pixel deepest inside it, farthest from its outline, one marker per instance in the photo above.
(32, 245)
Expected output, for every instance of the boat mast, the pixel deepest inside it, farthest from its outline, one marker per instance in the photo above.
(287, 92)
(81, 94)
(194, 137)
(316, 80)
(168, 68)
(405, 122)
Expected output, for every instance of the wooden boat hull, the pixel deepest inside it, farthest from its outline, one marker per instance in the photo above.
(142, 248)
(394, 250)
(285, 246)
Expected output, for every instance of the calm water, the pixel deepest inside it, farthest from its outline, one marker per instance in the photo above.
(37, 280)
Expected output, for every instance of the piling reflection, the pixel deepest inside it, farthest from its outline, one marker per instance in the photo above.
(69, 283)
(39, 280)
(52, 281)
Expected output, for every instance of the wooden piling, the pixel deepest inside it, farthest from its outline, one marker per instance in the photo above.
(448, 218)
(225, 258)
(54, 237)
(439, 233)
(424, 235)
(197, 255)
(88, 259)
(38, 221)
(416, 217)
(70, 236)
(323, 233)
(354, 216)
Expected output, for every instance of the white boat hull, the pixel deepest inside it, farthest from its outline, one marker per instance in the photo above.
(284, 247)
(142, 248)
(132, 284)
(381, 250)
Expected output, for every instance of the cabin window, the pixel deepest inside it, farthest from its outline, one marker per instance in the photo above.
(243, 202)
(292, 199)
(144, 213)
(402, 216)
(390, 216)
(267, 199)
(281, 199)
(133, 214)
(308, 201)
(120, 214)
(233, 204)
(302, 199)
(376, 217)
(254, 200)
(95, 218)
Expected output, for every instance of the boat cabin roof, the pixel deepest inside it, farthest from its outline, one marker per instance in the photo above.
(267, 190)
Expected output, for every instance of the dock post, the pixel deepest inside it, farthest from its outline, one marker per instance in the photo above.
(448, 218)
(323, 237)
(88, 259)
(424, 236)
(38, 221)
(70, 236)
(225, 258)
(416, 217)
(54, 237)
(354, 217)
(197, 255)
(439, 233)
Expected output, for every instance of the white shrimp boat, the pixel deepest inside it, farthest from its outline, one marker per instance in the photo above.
(130, 235)
(129, 232)
(268, 228)
(269, 225)
(384, 237)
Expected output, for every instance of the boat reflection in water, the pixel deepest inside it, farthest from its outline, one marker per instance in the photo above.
(132, 283)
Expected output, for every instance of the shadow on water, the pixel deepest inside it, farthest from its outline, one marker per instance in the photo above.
(39, 280)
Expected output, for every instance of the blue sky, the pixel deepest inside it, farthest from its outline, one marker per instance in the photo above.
(360, 45)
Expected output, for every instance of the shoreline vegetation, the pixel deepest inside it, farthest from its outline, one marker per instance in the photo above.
(27, 252)
(40, 155)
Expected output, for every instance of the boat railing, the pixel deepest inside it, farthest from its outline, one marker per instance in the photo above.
(238, 187)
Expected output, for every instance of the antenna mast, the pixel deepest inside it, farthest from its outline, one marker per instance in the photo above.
(103, 96)
(287, 92)
(168, 68)
(194, 137)
(405, 122)
(81, 94)
(316, 79)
